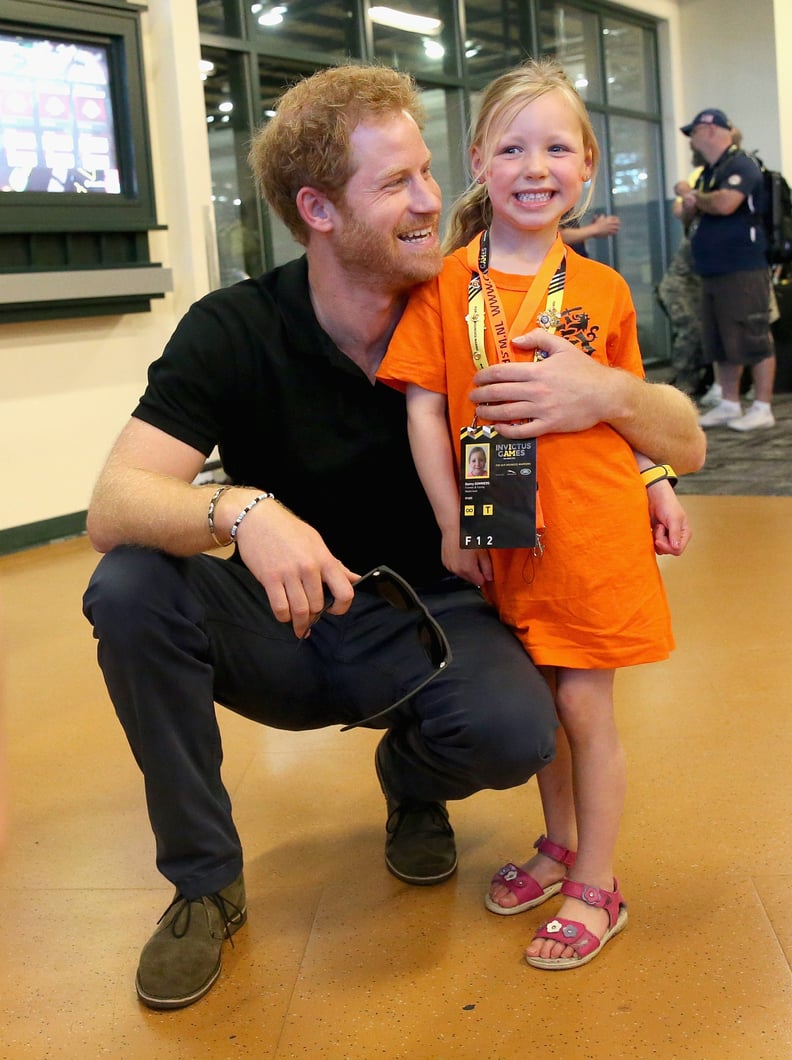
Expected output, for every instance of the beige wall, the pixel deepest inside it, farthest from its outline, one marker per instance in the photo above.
(68, 386)
(736, 70)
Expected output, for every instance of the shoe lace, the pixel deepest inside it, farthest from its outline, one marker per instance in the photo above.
(180, 924)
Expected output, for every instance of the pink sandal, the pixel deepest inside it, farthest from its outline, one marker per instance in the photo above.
(524, 886)
(572, 933)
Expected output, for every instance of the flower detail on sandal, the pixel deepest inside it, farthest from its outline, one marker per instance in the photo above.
(521, 884)
(576, 935)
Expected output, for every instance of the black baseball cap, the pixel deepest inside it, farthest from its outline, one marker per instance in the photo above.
(711, 116)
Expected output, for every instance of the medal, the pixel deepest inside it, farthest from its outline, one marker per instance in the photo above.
(548, 319)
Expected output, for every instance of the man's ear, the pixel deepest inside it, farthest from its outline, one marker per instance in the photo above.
(315, 209)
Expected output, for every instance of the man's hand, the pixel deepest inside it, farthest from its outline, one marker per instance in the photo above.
(294, 565)
(567, 391)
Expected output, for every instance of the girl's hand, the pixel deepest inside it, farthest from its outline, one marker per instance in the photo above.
(670, 527)
(474, 565)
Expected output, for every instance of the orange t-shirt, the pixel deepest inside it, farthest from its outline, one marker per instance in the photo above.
(595, 598)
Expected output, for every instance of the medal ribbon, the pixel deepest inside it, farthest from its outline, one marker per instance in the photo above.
(484, 303)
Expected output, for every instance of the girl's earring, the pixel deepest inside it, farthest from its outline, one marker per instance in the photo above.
(480, 180)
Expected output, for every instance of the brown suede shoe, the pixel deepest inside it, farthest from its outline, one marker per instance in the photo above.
(181, 960)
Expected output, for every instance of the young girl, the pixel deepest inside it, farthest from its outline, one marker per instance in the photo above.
(590, 597)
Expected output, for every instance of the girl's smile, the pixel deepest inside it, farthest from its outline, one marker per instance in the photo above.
(538, 165)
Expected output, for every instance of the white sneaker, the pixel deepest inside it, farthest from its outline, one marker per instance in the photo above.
(711, 397)
(754, 419)
(723, 413)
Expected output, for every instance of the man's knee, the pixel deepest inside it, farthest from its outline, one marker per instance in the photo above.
(509, 747)
(126, 586)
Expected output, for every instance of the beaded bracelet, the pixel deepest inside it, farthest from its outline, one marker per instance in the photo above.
(218, 493)
(249, 507)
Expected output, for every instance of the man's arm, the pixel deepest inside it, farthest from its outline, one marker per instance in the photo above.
(144, 497)
(719, 203)
(602, 225)
(570, 392)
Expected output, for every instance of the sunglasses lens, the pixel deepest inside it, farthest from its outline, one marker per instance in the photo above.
(395, 594)
(401, 597)
(432, 644)
(392, 590)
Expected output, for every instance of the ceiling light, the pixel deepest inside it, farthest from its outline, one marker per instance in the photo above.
(273, 16)
(389, 16)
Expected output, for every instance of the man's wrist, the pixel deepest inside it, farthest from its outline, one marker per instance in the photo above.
(620, 398)
(659, 473)
(211, 516)
(228, 506)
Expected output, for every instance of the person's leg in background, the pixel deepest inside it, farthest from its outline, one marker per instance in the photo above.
(736, 328)
(751, 341)
(679, 295)
(723, 397)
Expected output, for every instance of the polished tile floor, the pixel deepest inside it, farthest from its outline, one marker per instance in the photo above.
(341, 961)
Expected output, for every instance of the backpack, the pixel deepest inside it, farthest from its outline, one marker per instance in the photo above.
(776, 214)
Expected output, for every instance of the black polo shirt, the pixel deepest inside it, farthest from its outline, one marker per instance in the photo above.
(250, 370)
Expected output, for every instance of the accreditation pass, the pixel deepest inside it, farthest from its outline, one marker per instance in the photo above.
(497, 486)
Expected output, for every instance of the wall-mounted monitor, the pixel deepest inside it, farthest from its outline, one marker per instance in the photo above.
(74, 152)
(57, 131)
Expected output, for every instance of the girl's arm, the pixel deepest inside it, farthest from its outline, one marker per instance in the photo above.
(670, 526)
(434, 460)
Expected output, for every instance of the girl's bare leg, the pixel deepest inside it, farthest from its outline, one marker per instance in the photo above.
(555, 790)
(584, 699)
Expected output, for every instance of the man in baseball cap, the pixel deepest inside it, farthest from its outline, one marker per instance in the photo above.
(711, 116)
(727, 242)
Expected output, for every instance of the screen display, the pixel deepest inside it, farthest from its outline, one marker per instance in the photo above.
(56, 117)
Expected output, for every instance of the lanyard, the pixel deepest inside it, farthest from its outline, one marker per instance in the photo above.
(484, 302)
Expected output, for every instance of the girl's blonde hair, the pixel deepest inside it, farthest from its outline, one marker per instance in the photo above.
(500, 103)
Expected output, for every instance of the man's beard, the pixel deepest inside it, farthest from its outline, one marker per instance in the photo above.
(376, 257)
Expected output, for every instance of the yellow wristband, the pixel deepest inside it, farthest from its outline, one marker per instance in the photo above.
(657, 473)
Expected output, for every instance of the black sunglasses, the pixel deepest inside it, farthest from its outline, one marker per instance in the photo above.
(394, 590)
